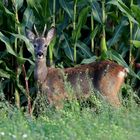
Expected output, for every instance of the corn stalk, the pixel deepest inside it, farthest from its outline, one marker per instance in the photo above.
(74, 28)
(92, 29)
(103, 39)
(131, 38)
(17, 95)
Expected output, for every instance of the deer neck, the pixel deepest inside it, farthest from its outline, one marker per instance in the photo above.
(40, 72)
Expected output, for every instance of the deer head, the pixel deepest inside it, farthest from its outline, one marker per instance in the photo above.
(41, 42)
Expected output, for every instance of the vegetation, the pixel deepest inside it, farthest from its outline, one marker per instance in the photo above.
(72, 123)
(86, 31)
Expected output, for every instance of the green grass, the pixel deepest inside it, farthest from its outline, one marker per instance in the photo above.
(72, 124)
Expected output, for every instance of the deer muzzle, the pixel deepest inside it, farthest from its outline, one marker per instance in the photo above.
(40, 55)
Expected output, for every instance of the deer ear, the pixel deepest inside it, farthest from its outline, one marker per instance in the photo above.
(29, 34)
(50, 35)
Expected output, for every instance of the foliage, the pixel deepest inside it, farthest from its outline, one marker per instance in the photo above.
(73, 123)
(86, 31)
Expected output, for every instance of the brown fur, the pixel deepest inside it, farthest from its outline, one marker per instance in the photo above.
(103, 76)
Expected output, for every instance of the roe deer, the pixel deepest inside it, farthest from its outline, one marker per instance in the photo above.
(106, 76)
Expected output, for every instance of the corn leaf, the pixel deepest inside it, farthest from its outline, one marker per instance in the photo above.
(136, 43)
(67, 8)
(4, 74)
(118, 33)
(67, 49)
(136, 12)
(84, 48)
(97, 11)
(122, 7)
(81, 21)
(6, 41)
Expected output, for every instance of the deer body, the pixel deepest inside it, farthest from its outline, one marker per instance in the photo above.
(107, 77)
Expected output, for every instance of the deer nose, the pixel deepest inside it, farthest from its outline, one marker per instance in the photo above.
(40, 54)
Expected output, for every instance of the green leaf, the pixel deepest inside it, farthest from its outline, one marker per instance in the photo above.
(29, 45)
(4, 74)
(12, 73)
(84, 48)
(95, 31)
(30, 71)
(18, 4)
(7, 43)
(136, 43)
(113, 55)
(28, 17)
(67, 8)
(67, 49)
(96, 11)
(136, 12)
(81, 21)
(1, 61)
(89, 60)
(9, 13)
(122, 7)
(10, 49)
(21, 87)
(118, 32)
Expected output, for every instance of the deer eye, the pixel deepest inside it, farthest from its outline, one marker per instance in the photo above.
(35, 45)
(45, 46)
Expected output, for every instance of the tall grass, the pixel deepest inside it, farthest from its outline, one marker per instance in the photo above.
(72, 123)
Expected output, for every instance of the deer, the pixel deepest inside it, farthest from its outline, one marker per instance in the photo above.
(106, 76)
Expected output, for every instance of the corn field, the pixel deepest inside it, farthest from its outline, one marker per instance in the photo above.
(87, 30)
